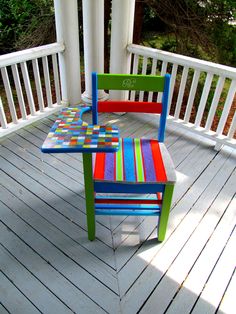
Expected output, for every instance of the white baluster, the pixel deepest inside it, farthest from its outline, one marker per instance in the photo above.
(144, 71)
(19, 93)
(47, 81)
(28, 88)
(192, 94)
(3, 119)
(135, 71)
(56, 78)
(172, 85)
(215, 101)
(163, 72)
(10, 100)
(227, 106)
(203, 100)
(38, 84)
(153, 72)
(232, 127)
(181, 92)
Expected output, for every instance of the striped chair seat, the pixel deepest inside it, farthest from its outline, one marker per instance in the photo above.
(137, 161)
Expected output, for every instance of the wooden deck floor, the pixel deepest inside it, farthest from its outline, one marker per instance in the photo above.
(48, 265)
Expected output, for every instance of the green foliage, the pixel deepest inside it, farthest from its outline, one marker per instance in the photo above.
(200, 29)
(25, 24)
(224, 36)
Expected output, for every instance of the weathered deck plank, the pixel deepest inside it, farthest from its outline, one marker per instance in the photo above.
(228, 303)
(21, 304)
(50, 266)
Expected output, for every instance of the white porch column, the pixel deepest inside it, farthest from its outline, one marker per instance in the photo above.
(93, 27)
(121, 36)
(67, 30)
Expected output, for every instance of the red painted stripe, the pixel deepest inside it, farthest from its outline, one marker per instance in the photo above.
(129, 106)
(124, 201)
(158, 162)
(99, 170)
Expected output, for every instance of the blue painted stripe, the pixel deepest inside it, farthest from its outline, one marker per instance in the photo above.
(129, 160)
(94, 98)
(128, 206)
(126, 197)
(127, 212)
(104, 187)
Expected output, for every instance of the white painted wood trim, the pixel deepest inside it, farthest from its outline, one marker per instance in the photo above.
(20, 96)
(172, 84)
(3, 119)
(28, 88)
(56, 78)
(201, 65)
(227, 106)
(181, 92)
(192, 94)
(67, 30)
(38, 84)
(203, 100)
(215, 101)
(135, 71)
(122, 24)
(30, 54)
(47, 81)
(93, 29)
(144, 72)
(163, 72)
(153, 72)
(10, 100)
(11, 127)
(221, 139)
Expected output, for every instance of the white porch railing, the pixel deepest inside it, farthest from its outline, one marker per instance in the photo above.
(202, 94)
(27, 93)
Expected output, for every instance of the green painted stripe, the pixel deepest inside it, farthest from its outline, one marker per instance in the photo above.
(119, 163)
(131, 82)
(139, 160)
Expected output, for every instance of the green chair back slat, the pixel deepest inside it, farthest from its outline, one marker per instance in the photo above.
(149, 83)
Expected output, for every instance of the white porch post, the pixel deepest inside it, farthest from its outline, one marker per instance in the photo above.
(93, 27)
(121, 36)
(67, 30)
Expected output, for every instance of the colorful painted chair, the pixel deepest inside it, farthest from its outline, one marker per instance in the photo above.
(140, 166)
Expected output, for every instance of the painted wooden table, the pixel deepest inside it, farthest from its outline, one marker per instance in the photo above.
(70, 134)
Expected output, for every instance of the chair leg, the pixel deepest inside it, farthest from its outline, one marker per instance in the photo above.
(89, 194)
(166, 204)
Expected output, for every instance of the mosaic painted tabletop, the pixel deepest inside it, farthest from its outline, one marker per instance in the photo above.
(71, 134)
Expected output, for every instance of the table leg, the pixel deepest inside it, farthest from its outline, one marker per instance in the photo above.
(89, 194)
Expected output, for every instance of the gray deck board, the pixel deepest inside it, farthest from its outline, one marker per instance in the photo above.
(49, 266)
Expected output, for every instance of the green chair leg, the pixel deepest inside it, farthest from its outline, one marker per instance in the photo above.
(89, 194)
(166, 204)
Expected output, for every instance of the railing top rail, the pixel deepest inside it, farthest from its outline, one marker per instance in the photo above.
(202, 65)
(30, 54)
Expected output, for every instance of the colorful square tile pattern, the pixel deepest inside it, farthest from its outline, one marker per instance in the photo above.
(70, 134)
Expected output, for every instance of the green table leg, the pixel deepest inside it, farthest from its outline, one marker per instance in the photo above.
(89, 194)
(166, 204)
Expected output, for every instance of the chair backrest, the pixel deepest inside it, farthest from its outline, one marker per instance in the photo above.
(150, 83)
